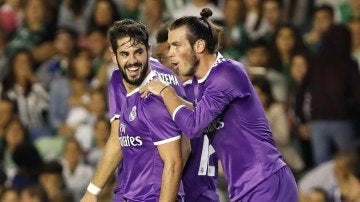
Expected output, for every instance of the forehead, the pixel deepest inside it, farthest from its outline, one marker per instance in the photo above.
(128, 44)
(178, 34)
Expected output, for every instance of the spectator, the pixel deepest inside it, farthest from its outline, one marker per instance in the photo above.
(52, 180)
(152, 15)
(286, 42)
(235, 39)
(97, 46)
(58, 65)
(349, 9)
(333, 83)
(76, 173)
(15, 134)
(34, 34)
(75, 14)
(257, 62)
(271, 11)
(101, 134)
(254, 24)
(11, 16)
(29, 163)
(82, 118)
(322, 18)
(71, 91)
(7, 111)
(30, 96)
(347, 173)
(33, 194)
(104, 13)
(9, 194)
(279, 125)
(130, 9)
(195, 6)
(299, 66)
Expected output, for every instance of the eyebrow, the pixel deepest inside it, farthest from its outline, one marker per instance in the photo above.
(175, 43)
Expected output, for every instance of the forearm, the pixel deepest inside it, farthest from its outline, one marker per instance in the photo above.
(185, 149)
(170, 181)
(110, 160)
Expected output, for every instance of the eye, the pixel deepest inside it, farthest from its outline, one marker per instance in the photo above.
(139, 52)
(124, 54)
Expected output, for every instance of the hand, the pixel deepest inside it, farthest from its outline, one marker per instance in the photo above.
(155, 87)
(88, 197)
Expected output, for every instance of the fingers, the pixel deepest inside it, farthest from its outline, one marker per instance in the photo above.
(144, 91)
(154, 87)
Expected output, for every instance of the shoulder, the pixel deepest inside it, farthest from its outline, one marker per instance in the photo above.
(229, 72)
(152, 102)
(229, 68)
(154, 110)
(115, 76)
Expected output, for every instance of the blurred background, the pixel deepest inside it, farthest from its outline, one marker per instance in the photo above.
(303, 57)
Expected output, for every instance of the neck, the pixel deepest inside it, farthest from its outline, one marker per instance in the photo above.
(205, 63)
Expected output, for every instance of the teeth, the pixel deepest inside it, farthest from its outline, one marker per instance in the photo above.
(133, 69)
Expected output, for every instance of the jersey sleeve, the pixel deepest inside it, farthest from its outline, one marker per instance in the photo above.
(114, 95)
(162, 128)
(226, 82)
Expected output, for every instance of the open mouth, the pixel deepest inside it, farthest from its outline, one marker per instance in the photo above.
(175, 65)
(133, 71)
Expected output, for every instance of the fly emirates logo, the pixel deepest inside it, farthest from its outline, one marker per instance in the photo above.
(215, 125)
(129, 141)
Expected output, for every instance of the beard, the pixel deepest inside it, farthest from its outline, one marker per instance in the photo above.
(140, 79)
(194, 63)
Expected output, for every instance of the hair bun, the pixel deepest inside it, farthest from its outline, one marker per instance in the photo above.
(206, 13)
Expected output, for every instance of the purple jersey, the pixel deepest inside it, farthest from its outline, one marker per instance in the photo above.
(117, 91)
(201, 169)
(234, 120)
(119, 102)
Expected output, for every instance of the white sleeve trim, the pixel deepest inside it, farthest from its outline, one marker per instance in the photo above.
(176, 110)
(116, 116)
(167, 140)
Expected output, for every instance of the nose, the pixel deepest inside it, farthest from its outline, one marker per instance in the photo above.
(133, 59)
(171, 51)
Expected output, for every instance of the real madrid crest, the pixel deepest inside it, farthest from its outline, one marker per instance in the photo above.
(132, 115)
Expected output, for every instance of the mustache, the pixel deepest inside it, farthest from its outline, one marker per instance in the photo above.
(136, 64)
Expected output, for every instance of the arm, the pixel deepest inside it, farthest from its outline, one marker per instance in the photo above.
(220, 90)
(170, 153)
(110, 160)
(185, 149)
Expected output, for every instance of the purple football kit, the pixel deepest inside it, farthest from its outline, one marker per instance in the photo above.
(144, 124)
(201, 169)
(233, 119)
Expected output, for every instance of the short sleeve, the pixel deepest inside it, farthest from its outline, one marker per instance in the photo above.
(116, 94)
(161, 127)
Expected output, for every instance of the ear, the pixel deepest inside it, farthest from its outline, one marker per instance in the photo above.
(199, 46)
(113, 56)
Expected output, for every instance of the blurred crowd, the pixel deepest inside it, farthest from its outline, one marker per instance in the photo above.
(302, 56)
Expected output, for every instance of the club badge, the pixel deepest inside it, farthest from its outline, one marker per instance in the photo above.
(132, 115)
